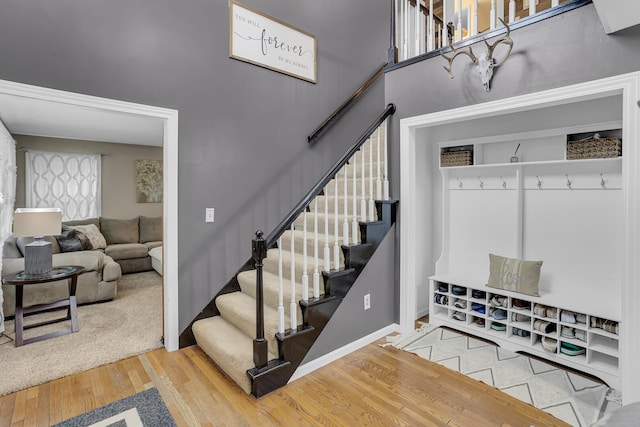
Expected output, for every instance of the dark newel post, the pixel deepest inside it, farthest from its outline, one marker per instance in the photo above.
(259, 250)
(393, 50)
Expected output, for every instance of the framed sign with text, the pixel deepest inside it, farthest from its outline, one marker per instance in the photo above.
(261, 40)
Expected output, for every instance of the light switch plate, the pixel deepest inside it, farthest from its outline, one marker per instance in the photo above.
(209, 215)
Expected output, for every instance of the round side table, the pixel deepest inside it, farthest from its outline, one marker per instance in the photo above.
(20, 280)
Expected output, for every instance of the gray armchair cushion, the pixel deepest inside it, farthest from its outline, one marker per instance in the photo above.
(119, 230)
(127, 251)
(10, 249)
(150, 229)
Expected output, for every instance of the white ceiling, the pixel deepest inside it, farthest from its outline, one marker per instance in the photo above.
(28, 116)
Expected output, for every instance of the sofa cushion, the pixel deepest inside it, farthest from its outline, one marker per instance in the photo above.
(90, 260)
(150, 229)
(127, 251)
(119, 230)
(10, 249)
(151, 245)
(94, 221)
(91, 232)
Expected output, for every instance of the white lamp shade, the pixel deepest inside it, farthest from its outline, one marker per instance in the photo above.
(29, 222)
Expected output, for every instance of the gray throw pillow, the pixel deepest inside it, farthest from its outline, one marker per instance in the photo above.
(69, 241)
(514, 275)
(119, 230)
(150, 229)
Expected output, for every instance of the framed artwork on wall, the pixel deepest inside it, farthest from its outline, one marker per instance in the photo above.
(261, 40)
(149, 181)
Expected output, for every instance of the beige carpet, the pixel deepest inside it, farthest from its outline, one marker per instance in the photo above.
(131, 324)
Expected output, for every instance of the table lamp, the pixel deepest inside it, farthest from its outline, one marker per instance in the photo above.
(37, 223)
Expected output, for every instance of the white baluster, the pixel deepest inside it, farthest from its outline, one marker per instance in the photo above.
(363, 197)
(316, 274)
(378, 177)
(512, 11)
(418, 32)
(385, 189)
(327, 252)
(459, 22)
(432, 33)
(305, 276)
(280, 289)
(371, 202)
(555, 3)
(475, 18)
(345, 223)
(492, 15)
(354, 206)
(336, 246)
(532, 7)
(499, 12)
(293, 315)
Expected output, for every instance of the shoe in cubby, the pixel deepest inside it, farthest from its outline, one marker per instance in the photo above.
(519, 317)
(500, 327)
(477, 307)
(443, 287)
(460, 316)
(479, 322)
(606, 325)
(571, 349)
(520, 332)
(550, 345)
(544, 326)
(520, 304)
(498, 313)
(498, 301)
(460, 303)
(441, 299)
(478, 294)
(458, 290)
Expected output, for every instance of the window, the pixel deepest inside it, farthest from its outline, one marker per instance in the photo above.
(67, 181)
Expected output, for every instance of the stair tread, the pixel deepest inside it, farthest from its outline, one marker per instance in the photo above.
(239, 309)
(227, 346)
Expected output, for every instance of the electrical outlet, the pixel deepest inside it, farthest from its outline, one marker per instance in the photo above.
(367, 301)
(209, 215)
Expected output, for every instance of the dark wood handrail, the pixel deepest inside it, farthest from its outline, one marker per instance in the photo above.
(288, 220)
(345, 105)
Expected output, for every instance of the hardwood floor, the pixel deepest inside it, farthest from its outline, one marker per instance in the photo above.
(371, 386)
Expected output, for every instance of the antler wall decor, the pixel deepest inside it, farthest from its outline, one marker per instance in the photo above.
(485, 63)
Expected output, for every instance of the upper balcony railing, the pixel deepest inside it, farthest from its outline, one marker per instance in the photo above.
(422, 26)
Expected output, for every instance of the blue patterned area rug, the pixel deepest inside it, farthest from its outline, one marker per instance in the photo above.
(573, 398)
(145, 409)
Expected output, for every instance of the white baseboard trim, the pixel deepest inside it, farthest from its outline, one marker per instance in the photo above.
(422, 313)
(336, 354)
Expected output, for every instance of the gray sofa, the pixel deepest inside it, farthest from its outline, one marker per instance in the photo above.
(124, 249)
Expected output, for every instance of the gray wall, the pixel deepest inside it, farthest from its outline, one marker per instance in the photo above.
(567, 49)
(242, 128)
(118, 171)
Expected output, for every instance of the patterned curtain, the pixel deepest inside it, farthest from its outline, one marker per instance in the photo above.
(67, 181)
(7, 194)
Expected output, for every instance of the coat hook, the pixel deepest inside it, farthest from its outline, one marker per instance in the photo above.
(504, 183)
(481, 183)
(568, 180)
(459, 183)
(602, 183)
(539, 184)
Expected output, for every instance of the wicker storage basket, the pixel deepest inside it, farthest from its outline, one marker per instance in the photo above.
(456, 158)
(599, 148)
